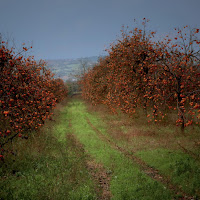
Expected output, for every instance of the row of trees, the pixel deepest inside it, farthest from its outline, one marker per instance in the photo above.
(156, 76)
(28, 93)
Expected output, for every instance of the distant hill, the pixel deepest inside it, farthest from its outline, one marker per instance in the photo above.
(67, 68)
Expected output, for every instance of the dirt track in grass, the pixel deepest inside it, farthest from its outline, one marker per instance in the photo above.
(148, 170)
(101, 176)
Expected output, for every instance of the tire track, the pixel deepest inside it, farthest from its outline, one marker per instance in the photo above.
(101, 178)
(99, 174)
(148, 170)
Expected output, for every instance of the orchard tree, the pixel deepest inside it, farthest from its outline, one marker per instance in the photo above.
(155, 76)
(28, 94)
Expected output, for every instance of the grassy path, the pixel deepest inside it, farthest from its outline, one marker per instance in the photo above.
(148, 170)
(156, 149)
(49, 165)
(127, 180)
(83, 155)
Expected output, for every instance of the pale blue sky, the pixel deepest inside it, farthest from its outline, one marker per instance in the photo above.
(80, 28)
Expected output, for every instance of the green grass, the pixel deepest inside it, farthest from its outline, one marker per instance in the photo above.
(160, 146)
(127, 181)
(49, 165)
(180, 167)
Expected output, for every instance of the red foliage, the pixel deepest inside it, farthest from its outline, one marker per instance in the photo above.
(156, 76)
(28, 93)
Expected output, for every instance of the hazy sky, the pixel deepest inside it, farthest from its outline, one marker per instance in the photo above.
(80, 28)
